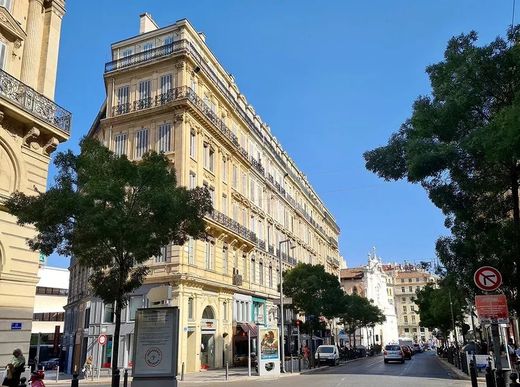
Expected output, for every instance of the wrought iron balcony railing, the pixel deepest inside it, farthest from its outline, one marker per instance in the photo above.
(36, 104)
(234, 226)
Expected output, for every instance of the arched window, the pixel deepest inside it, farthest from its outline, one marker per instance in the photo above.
(208, 313)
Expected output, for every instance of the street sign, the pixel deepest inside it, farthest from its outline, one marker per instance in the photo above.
(492, 309)
(102, 339)
(487, 278)
(16, 326)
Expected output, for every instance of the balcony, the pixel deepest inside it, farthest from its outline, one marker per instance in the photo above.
(257, 165)
(34, 103)
(333, 261)
(333, 242)
(234, 226)
(261, 245)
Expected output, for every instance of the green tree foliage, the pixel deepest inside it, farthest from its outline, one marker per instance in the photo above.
(112, 215)
(462, 144)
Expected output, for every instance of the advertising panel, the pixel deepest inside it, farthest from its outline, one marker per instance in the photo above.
(268, 343)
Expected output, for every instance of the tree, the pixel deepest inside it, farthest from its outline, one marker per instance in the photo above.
(462, 144)
(112, 215)
(313, 290)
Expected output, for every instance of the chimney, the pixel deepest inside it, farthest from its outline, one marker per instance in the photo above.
(146, 23)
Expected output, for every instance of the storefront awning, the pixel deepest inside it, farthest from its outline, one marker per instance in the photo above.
(250, 327)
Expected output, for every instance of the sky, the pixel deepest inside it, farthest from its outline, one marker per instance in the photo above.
(332, 79)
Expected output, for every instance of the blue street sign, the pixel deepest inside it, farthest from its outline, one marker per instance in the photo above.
(16, 326)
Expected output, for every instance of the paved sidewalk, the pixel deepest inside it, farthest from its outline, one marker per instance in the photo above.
(458, 373)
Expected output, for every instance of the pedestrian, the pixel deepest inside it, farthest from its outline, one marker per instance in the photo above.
(306, 355)
(87, 367)
(15, 369)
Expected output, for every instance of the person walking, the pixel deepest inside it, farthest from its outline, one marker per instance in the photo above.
(87, 367)
(15, 369)
(307, 355)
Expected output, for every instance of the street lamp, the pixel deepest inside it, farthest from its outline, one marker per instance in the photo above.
(282, 333)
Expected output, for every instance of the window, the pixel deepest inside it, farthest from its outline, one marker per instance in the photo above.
(120, 144)
(244, 183)
(6, 4)
(51, 291)
(2, 55)
(261, 273)
(413, 318)
(123, 105)
(190, 308)
(409, 280)
(165, 255)
(410, 288)
(209, 157)
(225, 310)
(147, 47)
(404, 308)
(86, 321)
(166, 83)
(407, 330)
(270, 276)
(165, 131)
(224, 169)
(145, 100)
(417, 280)
(193, 144)
(403, 299)
(402, 289)
(402, 280)
(126, 52)
(212, 195)
(224, 204)
(168, 40)
(108, 313)
(235, 176)
(421, 329)
(191, 247)
(414, 329)
(193, 180)
(50, 316)
(405, 319)
(141, 142)
(134, 303)
(210, 255)
(253, 270)
(225, 257)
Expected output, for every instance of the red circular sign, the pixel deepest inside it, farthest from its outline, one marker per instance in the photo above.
(102, 339)
(488, 278)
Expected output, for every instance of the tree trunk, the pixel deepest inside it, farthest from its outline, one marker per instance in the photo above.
(115, 346)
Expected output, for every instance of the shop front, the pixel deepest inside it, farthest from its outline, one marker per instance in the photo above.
(208, 328)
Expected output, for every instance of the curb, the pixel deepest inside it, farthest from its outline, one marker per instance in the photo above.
(458, 373)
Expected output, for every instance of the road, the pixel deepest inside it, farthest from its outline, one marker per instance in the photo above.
(424, 370)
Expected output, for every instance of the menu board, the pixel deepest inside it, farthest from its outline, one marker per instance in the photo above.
(156, 342)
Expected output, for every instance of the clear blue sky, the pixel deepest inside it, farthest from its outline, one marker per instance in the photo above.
(332, 79)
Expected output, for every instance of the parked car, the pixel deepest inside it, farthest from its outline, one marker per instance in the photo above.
(50, 364)
(393, 352)
(328, 354)
(407, 352)
(418, 348)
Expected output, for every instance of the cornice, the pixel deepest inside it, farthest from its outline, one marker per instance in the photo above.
(9, 24)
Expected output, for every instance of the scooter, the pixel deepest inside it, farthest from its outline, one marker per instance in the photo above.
(37, 379)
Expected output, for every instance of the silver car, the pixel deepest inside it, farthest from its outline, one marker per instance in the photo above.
(393, 352)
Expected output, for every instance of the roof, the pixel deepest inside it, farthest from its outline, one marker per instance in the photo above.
(413, 274)
(354, 273)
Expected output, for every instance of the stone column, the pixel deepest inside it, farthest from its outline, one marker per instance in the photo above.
(33, 44)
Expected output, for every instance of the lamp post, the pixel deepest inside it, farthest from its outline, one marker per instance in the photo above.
(282, 330)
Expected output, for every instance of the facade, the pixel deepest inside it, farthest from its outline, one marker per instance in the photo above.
(48, 316)
(166, 91)
(372, 282)
(406, 281)
(31, 126)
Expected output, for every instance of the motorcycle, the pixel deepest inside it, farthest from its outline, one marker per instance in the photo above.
(37, 379)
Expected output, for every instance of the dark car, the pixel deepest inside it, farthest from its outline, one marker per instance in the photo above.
(407, 352)
(50, 364)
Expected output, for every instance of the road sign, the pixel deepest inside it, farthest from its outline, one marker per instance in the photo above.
(488, 278)
(492, 308)
(102, 339)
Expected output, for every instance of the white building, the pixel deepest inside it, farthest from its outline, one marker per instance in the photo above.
(371, 281)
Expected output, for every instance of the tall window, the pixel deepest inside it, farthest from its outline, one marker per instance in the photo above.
(120, 144)
(145, 99)
(209, 157)
(193, 148)
(166, 83)
(193, 180)
(123, 105)
(212, 195)
(210, 255)
(134, 303)
(108, 313)
(235, 176)
(141, 142)
(147, 47)
(225, 258)
(224, 204)
(261, 273)
(244, 183)
(253, 270)
(165, 134)
(225, 310)
(165, 255)
(191, 251)
(224, 169)
(270, 276)
(190, 308)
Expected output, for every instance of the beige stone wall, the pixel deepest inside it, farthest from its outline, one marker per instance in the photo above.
(30, 31)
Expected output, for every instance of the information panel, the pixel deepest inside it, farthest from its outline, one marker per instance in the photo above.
(156, 342)
(269, 347)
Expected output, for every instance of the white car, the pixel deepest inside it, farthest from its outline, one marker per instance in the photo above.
(327, 354)
(393, 352)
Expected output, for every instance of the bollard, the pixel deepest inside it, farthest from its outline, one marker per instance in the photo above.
(182, 371)
(227, 370)
(490, 378)
(125, 378)
(513, 378)
(116, 378)
(57, 374)
(292, 367)
(22, 382)
(299, 364)
(319, 361)
(473, 373)
(75, 381)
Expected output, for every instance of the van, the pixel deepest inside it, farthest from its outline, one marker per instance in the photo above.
(327, 354)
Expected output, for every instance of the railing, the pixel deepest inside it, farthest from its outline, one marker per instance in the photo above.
(31, 101)
(333, 242)
(271, 249)
(185, 45)
(333, 261)
(261, 244)
(234, 226)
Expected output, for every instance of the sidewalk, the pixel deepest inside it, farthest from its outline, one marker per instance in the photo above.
(458, 374)
(214, 376)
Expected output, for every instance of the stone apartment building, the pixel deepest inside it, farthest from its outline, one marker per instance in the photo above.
(166, 91)
(31, 127)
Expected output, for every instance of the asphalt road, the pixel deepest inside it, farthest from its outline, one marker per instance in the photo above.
(424, 370)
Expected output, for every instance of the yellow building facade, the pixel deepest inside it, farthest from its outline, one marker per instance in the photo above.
(166, 91)
(31, 126)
